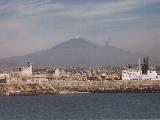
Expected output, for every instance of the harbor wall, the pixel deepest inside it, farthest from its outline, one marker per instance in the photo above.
(73, 86)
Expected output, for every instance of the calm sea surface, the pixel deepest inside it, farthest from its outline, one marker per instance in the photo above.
(81, 107)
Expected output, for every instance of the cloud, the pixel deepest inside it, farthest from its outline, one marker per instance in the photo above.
(107, 9)
(49, 22)
(90, 9)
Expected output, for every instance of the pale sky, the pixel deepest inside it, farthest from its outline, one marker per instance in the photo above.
(27, 26)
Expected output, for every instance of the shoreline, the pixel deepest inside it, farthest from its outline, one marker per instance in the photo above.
(74, 93)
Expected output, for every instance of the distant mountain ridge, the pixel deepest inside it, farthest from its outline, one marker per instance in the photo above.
(74, 52)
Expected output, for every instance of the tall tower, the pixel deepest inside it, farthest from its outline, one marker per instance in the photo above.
(145, 66)
(139, 65)
(26, 71)
(29, 67)
(29, 63)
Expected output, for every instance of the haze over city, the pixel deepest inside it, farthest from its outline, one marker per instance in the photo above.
(27, 26)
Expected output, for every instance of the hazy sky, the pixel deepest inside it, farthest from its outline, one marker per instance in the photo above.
(31, 25)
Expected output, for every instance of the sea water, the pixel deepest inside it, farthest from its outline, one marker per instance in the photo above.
(81, 106)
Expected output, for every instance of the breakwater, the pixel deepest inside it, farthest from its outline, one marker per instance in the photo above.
(73, 86)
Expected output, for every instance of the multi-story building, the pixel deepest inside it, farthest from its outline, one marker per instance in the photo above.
(144, 72)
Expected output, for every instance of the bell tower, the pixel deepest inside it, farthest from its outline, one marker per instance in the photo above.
(29, 67)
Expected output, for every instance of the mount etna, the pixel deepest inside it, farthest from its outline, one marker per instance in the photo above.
(74, 52)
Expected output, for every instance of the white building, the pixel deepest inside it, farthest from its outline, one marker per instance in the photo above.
(26, 71)
(131, 75)
(143, 73)
(136, 75)
(4, 75)
(56, 73)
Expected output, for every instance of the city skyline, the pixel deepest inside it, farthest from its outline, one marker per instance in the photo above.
(32, 25)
